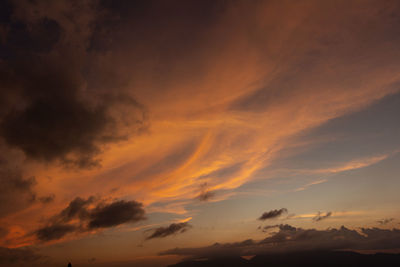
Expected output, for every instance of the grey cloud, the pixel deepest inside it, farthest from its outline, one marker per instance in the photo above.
(76, 208)
(116, 213)
(103, 215)
(320, 216)
(172, 229)
(53, 232)
(272, 214)
(49, 108)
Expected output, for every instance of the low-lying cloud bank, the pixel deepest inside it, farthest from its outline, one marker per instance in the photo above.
(292, 239)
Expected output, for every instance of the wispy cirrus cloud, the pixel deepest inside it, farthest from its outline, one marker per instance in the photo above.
(311, 184)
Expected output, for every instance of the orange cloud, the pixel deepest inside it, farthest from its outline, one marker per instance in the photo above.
(224, 107)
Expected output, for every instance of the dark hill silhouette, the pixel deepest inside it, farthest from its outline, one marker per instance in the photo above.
(300, 259)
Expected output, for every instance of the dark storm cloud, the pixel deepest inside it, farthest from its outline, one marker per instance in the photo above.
(116, 213)
(53, 232)
(103, 215)
(49, 109)
(291, 239)
(320, 216)
(172, 229)
(385, 221)
(272, 214)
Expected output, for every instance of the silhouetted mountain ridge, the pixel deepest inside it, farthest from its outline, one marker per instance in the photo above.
(300, 259)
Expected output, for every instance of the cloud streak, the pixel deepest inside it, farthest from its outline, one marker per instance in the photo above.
(319, 217)
(272, 214)
(172, 229)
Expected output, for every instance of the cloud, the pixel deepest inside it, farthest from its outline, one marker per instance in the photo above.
(292, 239)
(172, 229)
(49, 109)
(16, 191)
(304, 187)
(78, 217)
(272, 214)
(354, 164)
(320, 216)
(78, 78)
(205, 194)
(54, 232)
(283, 227)
(116, 213)
(385, 221)
(76, 208)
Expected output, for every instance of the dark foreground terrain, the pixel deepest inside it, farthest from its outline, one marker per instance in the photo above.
(309, 259)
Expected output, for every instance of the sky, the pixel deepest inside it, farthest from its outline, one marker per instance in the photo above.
(139, 133)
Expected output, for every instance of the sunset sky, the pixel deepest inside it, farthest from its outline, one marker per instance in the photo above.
(138, 133)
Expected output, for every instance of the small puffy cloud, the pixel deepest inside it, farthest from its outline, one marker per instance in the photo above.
(272, 214)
